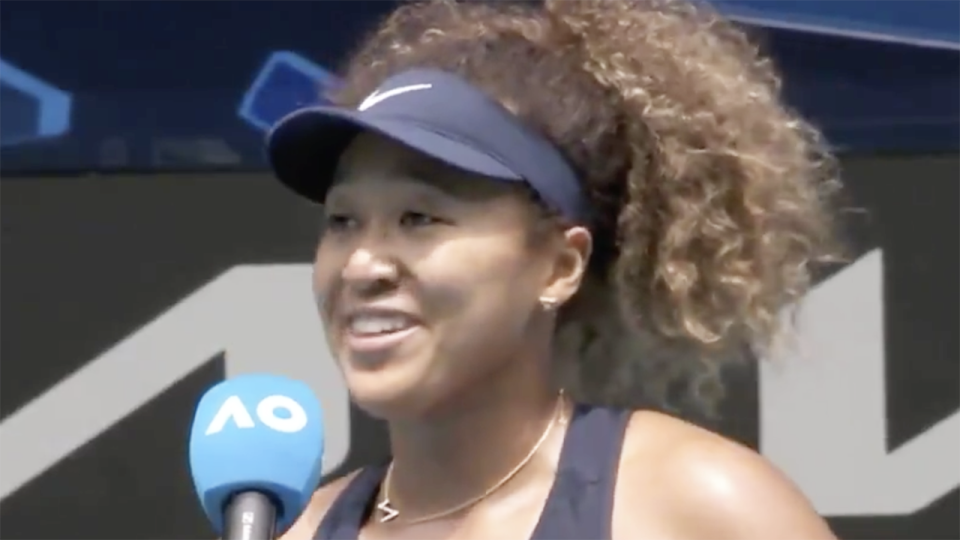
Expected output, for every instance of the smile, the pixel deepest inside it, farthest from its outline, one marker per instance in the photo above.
(378, 332)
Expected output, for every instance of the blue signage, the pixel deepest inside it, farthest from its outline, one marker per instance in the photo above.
(194, 85)
(925, 23)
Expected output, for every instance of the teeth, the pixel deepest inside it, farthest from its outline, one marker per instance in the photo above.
(378, 324)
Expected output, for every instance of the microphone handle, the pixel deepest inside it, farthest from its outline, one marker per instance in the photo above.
(250, 515)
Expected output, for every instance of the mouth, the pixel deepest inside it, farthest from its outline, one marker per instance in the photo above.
(378, 331)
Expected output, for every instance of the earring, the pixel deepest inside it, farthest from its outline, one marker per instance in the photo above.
(549, 304)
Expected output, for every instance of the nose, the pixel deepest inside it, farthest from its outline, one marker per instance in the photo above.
(367, 273)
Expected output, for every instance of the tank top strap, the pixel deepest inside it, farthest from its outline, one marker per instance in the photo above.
(352, 505)
(580, 504)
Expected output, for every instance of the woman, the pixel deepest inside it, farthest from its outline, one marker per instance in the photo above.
(534, 215)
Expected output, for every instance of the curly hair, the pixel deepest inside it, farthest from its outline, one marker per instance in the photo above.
(713, 197)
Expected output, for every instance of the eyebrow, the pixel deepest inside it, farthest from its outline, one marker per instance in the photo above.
(430, 192)
(457, 184)
(440, 178)
(431, 175)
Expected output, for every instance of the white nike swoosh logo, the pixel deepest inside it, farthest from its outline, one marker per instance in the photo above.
(377, 97)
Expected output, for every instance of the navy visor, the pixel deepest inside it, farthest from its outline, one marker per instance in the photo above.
(435, 113)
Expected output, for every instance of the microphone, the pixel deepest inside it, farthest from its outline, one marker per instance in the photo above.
(255, 454)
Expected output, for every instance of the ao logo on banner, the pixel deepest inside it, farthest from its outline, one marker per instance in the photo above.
(822, 416)
(262, 318)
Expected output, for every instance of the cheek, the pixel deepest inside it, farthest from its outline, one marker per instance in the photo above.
(324, 272)
(481, 285)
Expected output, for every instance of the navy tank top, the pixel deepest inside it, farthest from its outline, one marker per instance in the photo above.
(580, 502)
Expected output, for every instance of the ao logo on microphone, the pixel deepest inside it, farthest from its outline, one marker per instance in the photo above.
(279, 413)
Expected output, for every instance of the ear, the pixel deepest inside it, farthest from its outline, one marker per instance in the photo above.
(569, 265)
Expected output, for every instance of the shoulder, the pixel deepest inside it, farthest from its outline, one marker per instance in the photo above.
(305, 528)
(704, 485)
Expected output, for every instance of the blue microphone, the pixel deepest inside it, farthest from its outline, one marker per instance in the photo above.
(255, 454)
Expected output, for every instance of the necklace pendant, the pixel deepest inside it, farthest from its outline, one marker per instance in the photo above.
(389, 512)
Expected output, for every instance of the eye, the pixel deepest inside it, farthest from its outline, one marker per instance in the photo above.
(418, 219)
(338, 222)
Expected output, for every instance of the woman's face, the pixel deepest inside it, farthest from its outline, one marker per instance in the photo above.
(427, 278)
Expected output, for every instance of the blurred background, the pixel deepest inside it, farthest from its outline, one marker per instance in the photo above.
(147, 254)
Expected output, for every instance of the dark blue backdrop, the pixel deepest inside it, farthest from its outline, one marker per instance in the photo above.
(928, 23)
(190, 85)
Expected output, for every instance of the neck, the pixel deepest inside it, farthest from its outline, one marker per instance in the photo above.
(474, 444)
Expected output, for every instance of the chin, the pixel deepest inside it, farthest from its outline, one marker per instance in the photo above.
(395, 392)
(386, 405)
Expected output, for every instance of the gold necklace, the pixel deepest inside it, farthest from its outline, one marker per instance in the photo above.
(389, 513)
